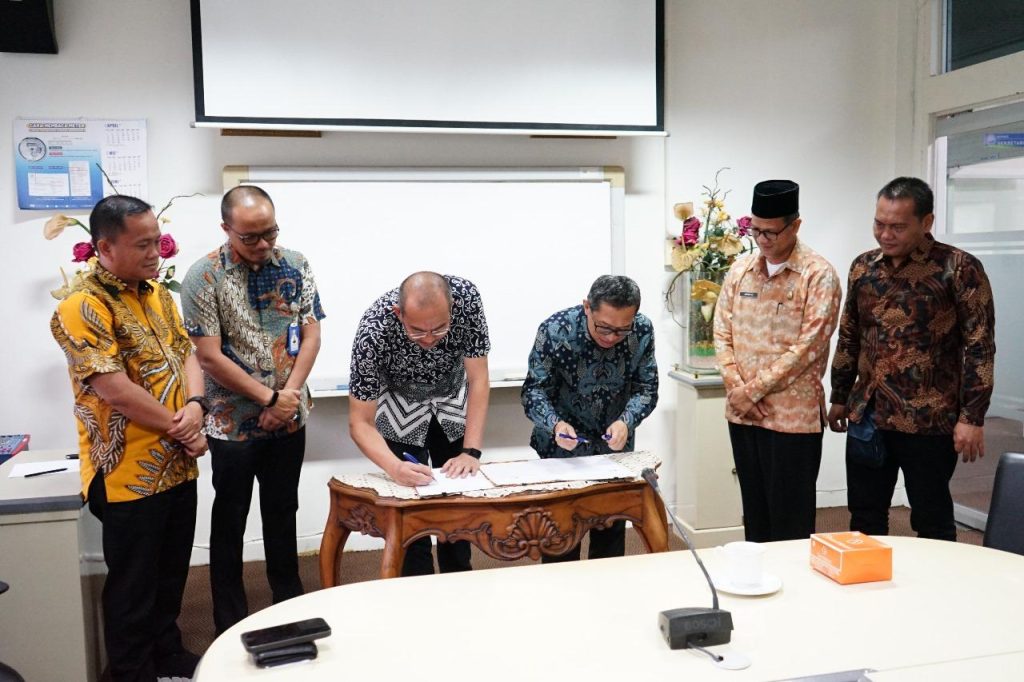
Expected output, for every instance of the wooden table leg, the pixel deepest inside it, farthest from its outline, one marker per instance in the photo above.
(394, 552)
(653, 528)
(331, 547)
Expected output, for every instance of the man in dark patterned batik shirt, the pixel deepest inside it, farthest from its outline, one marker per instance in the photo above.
(916, 354)
(419, 387)
(592, 380)
(253, 311)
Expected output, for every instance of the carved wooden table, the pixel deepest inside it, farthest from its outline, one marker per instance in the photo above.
(521, 525)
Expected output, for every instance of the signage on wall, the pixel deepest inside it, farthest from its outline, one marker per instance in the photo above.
(58, 162)
(1004, 140)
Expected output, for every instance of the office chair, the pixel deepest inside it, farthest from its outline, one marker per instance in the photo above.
(7, 673)
(1004, 529)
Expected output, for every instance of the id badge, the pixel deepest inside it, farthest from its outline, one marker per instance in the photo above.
(293, 339)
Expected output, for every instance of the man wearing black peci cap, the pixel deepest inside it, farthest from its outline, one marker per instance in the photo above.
(775, 314)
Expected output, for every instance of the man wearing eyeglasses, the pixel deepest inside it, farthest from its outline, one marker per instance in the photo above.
(592, 379)
(253, 312)
(419, 390)
(775, 315)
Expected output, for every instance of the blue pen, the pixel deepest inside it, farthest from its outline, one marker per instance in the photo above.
(578, 439)
(412, 458)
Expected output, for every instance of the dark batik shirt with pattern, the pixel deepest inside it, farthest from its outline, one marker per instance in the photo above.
(574, 380)
(412, 384)
(250, 310)
(919, 338)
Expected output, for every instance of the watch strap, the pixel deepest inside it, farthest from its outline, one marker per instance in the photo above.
(472, 452)
(203, 403)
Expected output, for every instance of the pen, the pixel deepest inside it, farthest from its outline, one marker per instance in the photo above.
(48, 471)
(578, 439)
(412, 458)
(72, 456)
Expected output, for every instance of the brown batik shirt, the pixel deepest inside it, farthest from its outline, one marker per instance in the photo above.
(919, 338)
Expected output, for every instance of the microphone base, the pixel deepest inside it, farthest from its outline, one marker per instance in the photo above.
(695, 626)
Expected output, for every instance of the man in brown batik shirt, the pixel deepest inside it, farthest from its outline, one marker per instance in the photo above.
(916, 354)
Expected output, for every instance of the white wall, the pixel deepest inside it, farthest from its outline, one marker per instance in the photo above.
(805, 89)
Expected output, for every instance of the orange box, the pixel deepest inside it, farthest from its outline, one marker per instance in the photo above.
(851, 557)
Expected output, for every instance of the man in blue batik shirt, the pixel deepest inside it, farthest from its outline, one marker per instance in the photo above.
(592, 380)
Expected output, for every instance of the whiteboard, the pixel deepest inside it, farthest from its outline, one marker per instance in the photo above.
(460, 65)
(532, 240)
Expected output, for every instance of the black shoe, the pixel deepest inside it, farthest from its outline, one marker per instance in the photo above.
(181, 665)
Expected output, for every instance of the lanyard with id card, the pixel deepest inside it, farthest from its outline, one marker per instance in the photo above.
(294, 339)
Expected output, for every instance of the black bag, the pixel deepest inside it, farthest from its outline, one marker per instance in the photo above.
(864, 443)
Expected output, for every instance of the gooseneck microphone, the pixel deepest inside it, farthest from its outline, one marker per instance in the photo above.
(691, 627)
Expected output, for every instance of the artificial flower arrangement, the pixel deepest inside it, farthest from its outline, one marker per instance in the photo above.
(83, 252)
(706, 247)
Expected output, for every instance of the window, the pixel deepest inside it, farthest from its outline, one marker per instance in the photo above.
(978, 31)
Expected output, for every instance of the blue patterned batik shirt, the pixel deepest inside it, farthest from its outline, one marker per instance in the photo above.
(250, 311)
(574, 380)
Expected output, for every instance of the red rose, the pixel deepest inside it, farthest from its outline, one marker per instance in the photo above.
(691, 230)
(82, 251)
(168, 247)
(744, 226)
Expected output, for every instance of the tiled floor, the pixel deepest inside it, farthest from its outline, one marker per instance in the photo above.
(972, 483)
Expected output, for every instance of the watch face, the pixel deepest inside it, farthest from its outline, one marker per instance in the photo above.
(32, 148)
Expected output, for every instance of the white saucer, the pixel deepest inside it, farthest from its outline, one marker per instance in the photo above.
(770, 584)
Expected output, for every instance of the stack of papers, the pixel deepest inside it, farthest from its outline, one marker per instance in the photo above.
(596, 468)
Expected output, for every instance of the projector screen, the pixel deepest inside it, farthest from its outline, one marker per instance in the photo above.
(493, 66)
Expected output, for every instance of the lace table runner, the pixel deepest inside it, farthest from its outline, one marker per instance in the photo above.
(381, 483)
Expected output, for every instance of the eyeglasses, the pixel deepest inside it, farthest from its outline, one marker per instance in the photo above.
(436, 333)
(612, 331)
(769, 235)
(252, 239)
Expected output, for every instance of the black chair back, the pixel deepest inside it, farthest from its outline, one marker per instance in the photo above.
(1005, 527)
(7, 673)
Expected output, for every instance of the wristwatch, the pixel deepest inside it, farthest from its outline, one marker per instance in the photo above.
(472, 452)
(202, 401)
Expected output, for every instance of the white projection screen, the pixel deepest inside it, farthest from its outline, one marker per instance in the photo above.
(533, 66)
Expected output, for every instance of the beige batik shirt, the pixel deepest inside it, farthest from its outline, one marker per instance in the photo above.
(772, 337)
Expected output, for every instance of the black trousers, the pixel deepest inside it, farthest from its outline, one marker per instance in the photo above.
(275, 463)
(147, 544)
(927, 463)
(777, 473)
(452, 557)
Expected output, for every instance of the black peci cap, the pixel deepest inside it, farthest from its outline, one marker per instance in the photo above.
(775, 199)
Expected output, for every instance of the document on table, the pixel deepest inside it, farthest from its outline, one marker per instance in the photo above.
(442, 485)
(24, 468)
(595, 468)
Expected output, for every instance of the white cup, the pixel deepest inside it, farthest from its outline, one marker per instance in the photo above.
(743, 562)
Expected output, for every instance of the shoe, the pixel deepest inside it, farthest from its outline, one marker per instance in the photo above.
(177, 667)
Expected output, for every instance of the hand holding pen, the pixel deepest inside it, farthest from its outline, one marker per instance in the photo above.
(410, 472)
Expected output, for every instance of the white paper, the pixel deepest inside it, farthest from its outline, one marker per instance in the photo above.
(595, 468)
(442, 485)
(23, 468)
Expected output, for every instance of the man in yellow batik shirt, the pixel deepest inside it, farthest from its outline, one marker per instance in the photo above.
(139, 406)
(775, 315)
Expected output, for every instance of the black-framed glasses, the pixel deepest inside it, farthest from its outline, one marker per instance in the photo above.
(435, 333)
(621, 332)
(769, 235)
(252, 239)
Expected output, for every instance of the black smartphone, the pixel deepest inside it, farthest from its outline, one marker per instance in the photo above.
(288, 634)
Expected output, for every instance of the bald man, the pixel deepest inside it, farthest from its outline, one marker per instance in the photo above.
(419, 389)
(253, 312)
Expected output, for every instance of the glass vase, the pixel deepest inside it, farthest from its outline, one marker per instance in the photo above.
(701, 297)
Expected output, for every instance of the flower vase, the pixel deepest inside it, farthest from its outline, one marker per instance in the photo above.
(701, 297)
